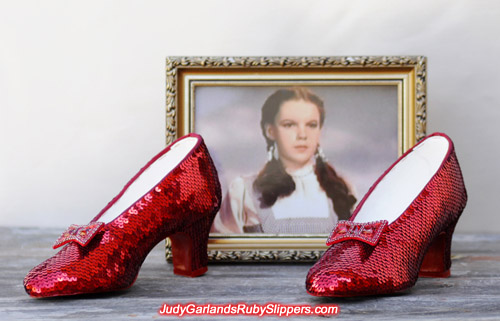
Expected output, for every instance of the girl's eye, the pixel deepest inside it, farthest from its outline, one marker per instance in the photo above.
(287, 125)
(313, 125)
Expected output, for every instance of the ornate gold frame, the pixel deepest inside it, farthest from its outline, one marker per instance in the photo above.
(183, 74)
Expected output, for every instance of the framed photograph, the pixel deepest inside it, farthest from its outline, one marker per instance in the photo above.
(297, 141)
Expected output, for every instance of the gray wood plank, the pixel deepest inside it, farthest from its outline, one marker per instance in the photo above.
(471, 293)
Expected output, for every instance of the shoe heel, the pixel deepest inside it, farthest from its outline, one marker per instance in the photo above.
(437, 260)
(189, 248)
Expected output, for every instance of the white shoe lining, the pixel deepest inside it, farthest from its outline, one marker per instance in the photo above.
(397, 190)
(150, 177)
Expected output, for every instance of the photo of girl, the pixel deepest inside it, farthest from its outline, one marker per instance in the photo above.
(297, 190)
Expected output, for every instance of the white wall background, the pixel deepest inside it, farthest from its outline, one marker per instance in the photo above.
(82, 85)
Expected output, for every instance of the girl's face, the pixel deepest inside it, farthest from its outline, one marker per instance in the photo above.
(296, 131)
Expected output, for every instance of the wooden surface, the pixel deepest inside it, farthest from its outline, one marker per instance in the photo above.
(472, 292)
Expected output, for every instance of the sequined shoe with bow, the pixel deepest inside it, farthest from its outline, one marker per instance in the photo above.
(403, 225)
(177, 194)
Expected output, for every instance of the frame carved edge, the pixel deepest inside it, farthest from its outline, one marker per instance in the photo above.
(417, 62)
(421, 98)
(299, 62)
(255, 256)
(171, 104)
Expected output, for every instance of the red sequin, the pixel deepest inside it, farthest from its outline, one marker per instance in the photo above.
(354, 267)
(183, 205)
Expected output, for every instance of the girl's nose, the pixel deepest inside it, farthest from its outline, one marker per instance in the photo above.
(301, 133)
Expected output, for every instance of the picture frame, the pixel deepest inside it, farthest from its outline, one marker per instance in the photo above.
(379, 112)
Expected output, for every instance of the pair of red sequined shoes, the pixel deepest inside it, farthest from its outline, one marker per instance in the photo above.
(402, 226)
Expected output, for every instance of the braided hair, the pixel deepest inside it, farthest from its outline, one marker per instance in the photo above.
(274, 182)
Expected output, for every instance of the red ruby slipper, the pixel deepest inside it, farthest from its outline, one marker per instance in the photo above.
(401, 228)
(176, 194)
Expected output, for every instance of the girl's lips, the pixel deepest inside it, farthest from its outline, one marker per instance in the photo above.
(301, 147)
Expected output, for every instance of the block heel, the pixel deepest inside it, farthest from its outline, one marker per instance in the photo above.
(189, 248)
(437, 260)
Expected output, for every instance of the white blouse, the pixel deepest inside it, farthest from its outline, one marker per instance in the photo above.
(307, 205)
(307, 200)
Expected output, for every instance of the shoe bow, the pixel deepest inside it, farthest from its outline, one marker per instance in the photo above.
(368, 232)
(81, 234)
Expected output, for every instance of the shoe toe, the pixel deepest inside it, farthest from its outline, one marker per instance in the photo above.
(62, 274)
(344, 271)
(74, 270)
(322, 282)
(44, 282)
(34, 284)
(342, 284)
